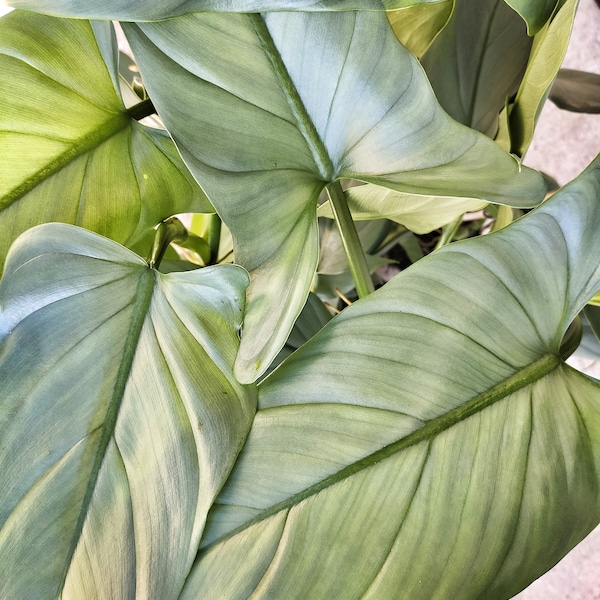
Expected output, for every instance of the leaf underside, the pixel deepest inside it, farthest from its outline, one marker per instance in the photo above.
(69, 151)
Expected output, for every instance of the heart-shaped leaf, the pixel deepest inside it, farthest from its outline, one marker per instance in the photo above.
(162, 9)
(268, 109)
(123, 418)
(429, 439)
(69, 151)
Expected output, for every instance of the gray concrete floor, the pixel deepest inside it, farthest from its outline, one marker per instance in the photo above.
(564, 144)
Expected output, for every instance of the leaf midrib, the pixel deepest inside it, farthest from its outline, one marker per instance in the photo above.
(141, 304)
(306, 127)
(482, 55)
(92, 139)
(522, 378)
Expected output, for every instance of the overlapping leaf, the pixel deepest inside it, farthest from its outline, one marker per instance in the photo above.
(477, 61)
(428, 442)
(420, 214)
(120, 417)
(266, 110)
(548, 51)
(417, 26)
(68, 149)
(163, 9)
(333, 274)
(535, 13)
(314, 316)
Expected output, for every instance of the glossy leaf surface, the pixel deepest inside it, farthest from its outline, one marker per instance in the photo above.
(69, 151)
(477, 61)
(266, 110)
(123, 417)
(162, 9)
(429, 439)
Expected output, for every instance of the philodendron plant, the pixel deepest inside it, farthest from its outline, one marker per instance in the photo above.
(427, 442)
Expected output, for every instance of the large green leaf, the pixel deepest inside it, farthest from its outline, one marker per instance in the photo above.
(428, 442)
(163, 9)
(120, 417)
(548, 51)
(266, 110)
(477, 61)
(69, 151)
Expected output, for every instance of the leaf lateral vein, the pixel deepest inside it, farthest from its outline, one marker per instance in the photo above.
(519, 380)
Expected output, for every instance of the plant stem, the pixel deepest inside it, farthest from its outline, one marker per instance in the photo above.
(213, 236)
(143, 109)
(571, 339)
(448, 232)
(504, 217)
(350, 240)
(169, 230)
(303, 120)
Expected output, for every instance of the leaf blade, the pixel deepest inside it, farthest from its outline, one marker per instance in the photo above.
(491, 424)
(485, 46)
(417, 26)
(120, 10)
(534, 12)
(547, 54)
(70, 151)
(128, 397)
(420, 214)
